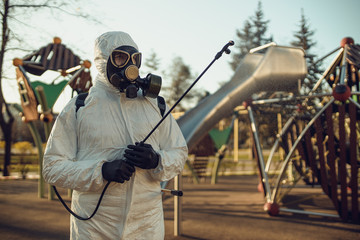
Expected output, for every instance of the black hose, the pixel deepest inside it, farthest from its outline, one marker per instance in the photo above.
(74, 214)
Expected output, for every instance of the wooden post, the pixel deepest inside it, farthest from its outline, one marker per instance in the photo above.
(236, 140)
(177, 206)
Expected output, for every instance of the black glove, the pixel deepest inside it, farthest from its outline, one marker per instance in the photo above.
(142, 155)
(117, 171)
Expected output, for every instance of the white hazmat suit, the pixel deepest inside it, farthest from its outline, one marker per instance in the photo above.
(80, 142)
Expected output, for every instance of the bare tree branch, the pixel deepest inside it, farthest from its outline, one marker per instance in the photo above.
(58, 8)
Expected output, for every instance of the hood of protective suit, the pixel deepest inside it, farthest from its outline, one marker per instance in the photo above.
(104, 45)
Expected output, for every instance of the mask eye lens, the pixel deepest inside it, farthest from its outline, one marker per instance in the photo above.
(136, 57)
(119, 59)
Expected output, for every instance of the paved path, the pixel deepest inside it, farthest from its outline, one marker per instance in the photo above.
(231, 209)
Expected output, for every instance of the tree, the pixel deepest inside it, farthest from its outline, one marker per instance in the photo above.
(152, 61)
(181, 78)
(10, 16)
(244, 45)
(304, 40)
(250, 36)
(260, 27)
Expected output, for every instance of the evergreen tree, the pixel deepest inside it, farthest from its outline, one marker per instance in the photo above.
(244, 44)
(250, 36)
(304, 40)
(152, 61)
(260, 27)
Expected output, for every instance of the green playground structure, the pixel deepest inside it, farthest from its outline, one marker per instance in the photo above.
(220, 141)
(71, 71)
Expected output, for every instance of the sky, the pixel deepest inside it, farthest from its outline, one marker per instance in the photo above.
(194, 30)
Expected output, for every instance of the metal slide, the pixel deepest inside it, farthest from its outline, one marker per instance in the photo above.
(278, 69)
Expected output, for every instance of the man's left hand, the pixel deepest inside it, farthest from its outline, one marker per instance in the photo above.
(142, 155)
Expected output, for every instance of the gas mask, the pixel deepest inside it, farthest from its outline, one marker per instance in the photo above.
(123, 73)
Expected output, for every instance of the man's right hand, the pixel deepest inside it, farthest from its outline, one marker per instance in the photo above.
(117, 171)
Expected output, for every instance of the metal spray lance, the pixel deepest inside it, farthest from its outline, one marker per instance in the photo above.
(218, 55)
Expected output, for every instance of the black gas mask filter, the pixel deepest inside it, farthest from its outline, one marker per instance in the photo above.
(123, 73)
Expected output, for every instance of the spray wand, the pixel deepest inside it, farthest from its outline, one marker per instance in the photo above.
(218, 55)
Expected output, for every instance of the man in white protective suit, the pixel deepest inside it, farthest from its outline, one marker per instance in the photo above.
(101, 142)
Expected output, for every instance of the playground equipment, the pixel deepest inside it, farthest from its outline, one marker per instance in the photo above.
(320, 144)
(215, 140)
(320, 141)
(71, 71)
(221, 139)
(279, 69)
